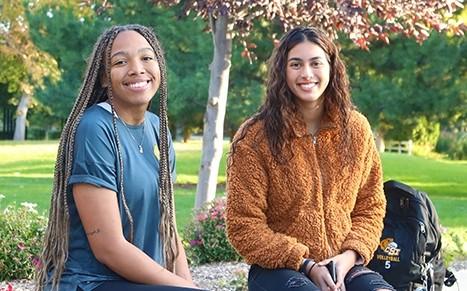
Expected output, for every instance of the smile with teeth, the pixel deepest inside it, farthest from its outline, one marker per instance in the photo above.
(307, 86)
(137, 85)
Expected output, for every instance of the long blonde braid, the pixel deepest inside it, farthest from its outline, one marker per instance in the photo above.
(55, 251)
(167, 224)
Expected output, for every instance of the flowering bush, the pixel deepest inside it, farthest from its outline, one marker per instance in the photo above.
(205, 238)
(21, 233)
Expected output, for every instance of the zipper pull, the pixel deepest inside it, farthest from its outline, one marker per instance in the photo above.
(422, 227)
(315, 139)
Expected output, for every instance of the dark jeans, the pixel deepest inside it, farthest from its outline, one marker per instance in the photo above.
(359, 278)
(128, 286)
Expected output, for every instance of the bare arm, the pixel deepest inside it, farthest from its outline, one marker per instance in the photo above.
(181, 263)
(98, 210)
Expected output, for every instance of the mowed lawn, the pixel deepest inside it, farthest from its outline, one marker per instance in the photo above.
(26, 174)
(445, 181)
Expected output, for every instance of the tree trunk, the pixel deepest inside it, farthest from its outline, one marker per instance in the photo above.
(21, 113)
(213, 131)
(186, 134)
(379, 140)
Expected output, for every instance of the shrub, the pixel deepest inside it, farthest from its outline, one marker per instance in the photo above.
(453, 144)
(420, 130)
(426, 132)
(205, 238)
(454, 245)
(21, 233)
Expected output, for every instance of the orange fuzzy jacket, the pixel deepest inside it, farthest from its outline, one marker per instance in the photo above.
(310, 207)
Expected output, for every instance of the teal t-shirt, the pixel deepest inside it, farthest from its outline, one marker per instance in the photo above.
(95, 162)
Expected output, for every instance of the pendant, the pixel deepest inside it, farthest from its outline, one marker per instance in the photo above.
(140, 147)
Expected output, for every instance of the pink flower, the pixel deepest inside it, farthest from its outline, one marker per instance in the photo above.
(201, 217)
(36, 262)
(214, 214)
(21, 246)
(9, 287)
(219, 205)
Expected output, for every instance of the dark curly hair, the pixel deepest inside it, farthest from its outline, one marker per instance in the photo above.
(281, 105)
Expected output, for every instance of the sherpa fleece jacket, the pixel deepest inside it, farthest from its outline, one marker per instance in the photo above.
(311, 206)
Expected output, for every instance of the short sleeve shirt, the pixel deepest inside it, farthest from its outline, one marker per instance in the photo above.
(96, 163)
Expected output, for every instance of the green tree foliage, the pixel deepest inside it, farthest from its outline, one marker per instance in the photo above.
(187, 54)
(24, 67)
(67, 32)
(408, 90)
(12, 72)
(247, 77)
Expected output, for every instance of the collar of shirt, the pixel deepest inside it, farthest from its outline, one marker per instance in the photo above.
(330, 121)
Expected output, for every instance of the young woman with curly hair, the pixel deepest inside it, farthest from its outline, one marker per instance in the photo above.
(304, 184)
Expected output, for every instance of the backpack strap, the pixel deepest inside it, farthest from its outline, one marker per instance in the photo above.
(449, 278)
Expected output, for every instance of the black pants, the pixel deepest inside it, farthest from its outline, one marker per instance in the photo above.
(359, 278)
(128, 286)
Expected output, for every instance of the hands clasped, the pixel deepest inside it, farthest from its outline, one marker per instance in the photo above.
(321, 273)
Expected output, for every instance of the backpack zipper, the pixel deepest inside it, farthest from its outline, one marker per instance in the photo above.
(422, 227)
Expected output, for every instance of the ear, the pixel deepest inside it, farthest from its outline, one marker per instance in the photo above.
(104, 80)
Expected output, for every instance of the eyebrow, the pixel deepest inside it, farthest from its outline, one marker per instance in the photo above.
(299, 59)
(126, 53)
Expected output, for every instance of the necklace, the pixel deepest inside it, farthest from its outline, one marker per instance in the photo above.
(139, 145)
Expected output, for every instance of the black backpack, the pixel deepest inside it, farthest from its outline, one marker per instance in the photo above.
(409, 254)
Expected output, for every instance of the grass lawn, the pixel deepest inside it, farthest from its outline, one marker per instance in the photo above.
(26, 173)
(188, 156)
(445, 182)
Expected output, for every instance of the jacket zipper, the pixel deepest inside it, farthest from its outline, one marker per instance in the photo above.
(314, 139)
(327, 246)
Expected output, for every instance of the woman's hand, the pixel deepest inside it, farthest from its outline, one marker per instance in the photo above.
(319, 274)
(344, 262)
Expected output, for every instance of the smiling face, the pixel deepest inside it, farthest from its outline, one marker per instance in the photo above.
(307, 73)
(134, 71)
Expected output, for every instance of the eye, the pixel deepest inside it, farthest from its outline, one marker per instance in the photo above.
(148, 58)
(295, 65)
(118, 62)
(316, 64)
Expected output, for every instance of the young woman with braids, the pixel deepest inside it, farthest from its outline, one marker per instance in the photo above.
(112, 222)
(304, 182)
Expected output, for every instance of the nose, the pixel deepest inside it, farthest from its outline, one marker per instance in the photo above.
(136, 68)
(307, 72)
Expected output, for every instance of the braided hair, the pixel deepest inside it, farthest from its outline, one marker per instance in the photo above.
(55, 251)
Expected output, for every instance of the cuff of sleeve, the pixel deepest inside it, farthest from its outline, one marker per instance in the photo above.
(359, 260)
(86, 179)
(364, 253)
(296, 256)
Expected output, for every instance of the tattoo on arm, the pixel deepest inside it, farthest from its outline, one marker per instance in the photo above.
(96, 231)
